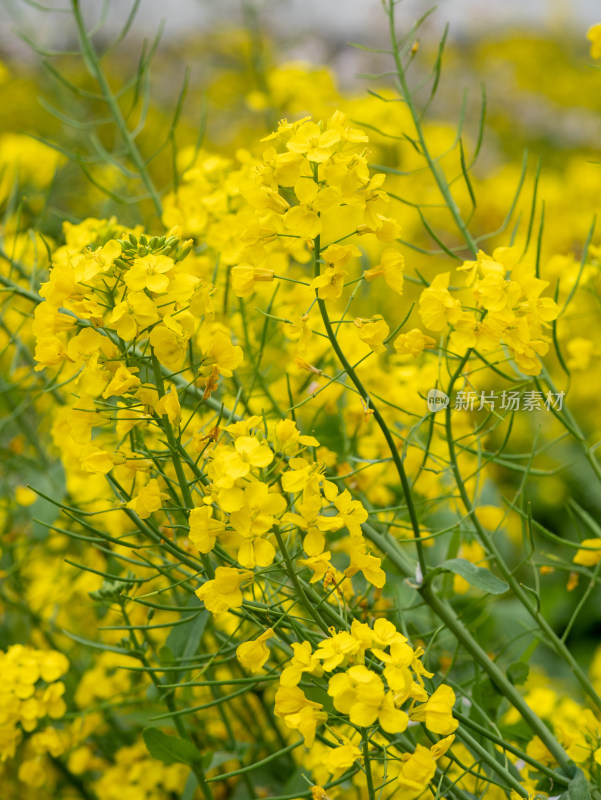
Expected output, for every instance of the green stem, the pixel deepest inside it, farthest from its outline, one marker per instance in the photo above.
(93, 64)
(297, 585)
(176, 460)
(367, 765)
(492, 762)
(74, 780)
(436, 171)
(348, 367)
(166, 695)
(510, 748)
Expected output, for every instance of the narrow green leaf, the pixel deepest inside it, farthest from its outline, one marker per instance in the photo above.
(479, 577)
(185, 638)
(170, 749)
(518, 673)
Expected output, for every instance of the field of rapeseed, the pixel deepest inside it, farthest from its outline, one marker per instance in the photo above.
(299, 392)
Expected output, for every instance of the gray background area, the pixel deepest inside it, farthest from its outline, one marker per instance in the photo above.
(341, 20)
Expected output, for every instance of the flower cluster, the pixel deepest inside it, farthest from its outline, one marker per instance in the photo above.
(30, 691)
(373, 673)
(501, 306)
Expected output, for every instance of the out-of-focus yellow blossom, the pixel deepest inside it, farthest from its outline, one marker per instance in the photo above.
(148, 500)
(594, 36)
(253, 655)
(591, 556)
(391, 266)
(373, 332)
(244, 278)
(414, 342)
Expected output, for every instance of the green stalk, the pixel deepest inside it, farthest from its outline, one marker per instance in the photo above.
(93, 64)
(367, 765)
(377, 416)
(297, 585)
(176, 460)
(436, 171)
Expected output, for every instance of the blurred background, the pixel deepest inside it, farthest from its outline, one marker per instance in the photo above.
(335, 20)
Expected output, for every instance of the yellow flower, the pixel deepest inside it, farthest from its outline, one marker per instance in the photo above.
(95, 459)
(298, 712)
(373, 332)
(221, 355)
(391, 268)
(301, 661)
(329, 284)
(53, 665)
(491, 292)
(384, 228)
(541, 308)
(149, 273)
(418, 770)
(123, 382)
(441, 747)
(223, 592)
(414, 342)
(253, 655)
(334, 650)
(204, 529)
(316, 145)
(255, 518)
(133, 314)
(594, 37)
(244, 278)
(33, 772)
(52, 700)
(437, 712)
(148, 499)
(589, 558)
(89, 263)
(169, 406)
(170, 338)
(359, 693)
(303, 219)
(437, 306)
(344, 756)
(350, 512)
(288, 436)
(363, 561)
(320, 565)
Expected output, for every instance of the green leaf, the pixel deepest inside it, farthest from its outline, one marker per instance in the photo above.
(578, 788)
(221, 757)
(518, 673)
(190, 788)
(185, 638)
(170, 749)
(479, 577)
(488, 697)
